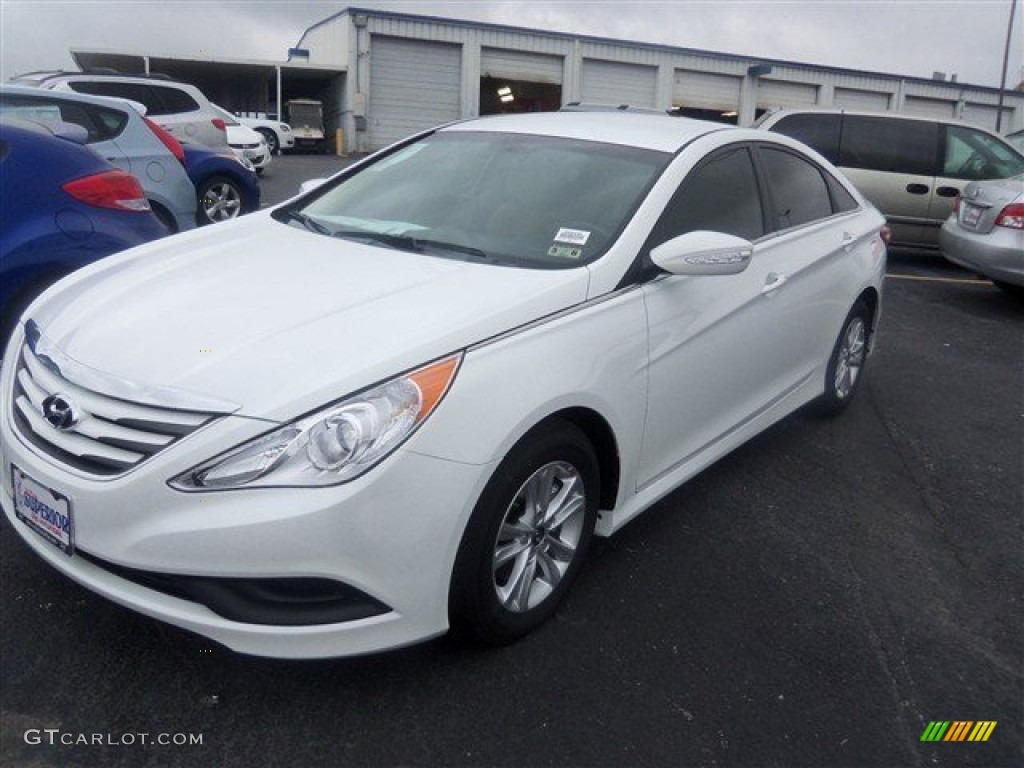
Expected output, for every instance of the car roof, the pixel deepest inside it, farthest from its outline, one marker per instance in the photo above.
(771, 117)
(663, 133)
(113, 102)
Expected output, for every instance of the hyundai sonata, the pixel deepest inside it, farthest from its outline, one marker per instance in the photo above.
(407, 399)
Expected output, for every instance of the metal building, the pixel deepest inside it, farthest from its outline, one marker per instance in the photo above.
(404, 73)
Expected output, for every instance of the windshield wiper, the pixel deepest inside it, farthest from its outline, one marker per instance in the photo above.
(410, 243)
(307, 221)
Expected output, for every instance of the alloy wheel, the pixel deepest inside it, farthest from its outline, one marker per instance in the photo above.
(539, 536)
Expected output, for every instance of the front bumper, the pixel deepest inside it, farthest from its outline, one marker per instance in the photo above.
(998, 255)
(391, 535)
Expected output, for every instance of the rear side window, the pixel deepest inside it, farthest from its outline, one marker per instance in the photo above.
(889, 144)
(101, 123)
(139, 92)
(798, 190)
(821, 132)
(174, 100)
(842, 201)
(974, 155)
(721, 195)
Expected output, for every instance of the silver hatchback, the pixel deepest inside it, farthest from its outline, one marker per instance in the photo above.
(119, 134)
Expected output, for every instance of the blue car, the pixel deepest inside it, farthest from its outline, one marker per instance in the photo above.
(225, 188)
(61, 207)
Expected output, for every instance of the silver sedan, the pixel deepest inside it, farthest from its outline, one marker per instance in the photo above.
(985, 232)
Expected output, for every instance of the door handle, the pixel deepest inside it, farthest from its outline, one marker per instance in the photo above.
(772, 282)
(947, 191)
(848, 241)
(917, 189)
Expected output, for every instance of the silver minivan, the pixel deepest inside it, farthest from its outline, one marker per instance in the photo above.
(911, 168)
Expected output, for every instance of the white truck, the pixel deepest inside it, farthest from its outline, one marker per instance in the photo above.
(306, 117)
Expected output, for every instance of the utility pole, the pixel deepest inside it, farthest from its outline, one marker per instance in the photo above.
(1006, 60)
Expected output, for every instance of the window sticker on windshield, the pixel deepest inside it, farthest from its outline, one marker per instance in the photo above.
(572, 236)
(564, 252)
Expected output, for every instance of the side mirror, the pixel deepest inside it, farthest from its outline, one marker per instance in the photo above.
(703, 253)
(310, 185)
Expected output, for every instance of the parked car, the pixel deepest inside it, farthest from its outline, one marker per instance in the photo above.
(985, 232)
(278, 135)
(179, 107)
(119, 133)
(63, 207)
(245, 142)
(226, 185)
(406, 399)
(911, 168)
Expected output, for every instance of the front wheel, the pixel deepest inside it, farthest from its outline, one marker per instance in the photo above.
(846, 365)
(527, 536)
(271, 137)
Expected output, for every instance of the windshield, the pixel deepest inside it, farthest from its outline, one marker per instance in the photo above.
(531, 201)
(304, 113)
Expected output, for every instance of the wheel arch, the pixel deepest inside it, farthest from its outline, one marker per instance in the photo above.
(602, 439)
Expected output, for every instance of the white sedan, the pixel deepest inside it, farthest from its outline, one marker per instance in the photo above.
(407, 399)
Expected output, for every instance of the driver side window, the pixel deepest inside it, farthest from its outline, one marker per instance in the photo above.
(973, 155)
(720, 195)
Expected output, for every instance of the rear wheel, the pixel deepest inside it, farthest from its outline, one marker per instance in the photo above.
(846, 365)
(527, 536)
(1016, 291)
(220, 199)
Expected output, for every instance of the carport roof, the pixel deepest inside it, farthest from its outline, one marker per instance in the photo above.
(187, 68)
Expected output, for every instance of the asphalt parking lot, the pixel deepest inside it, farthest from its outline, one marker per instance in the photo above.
(814, 599)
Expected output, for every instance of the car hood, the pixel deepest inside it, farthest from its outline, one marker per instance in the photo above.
(279, 320)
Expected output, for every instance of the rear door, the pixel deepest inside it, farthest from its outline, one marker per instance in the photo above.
(894, 163)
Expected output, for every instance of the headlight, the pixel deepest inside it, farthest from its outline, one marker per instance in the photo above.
(334, 445)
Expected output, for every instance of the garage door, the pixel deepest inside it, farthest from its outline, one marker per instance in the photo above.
(615, 82)
(517, 65)
(915, 105)
(705, 90)
(413, 85)
(984, 115)
(867, 101)
(776, 94)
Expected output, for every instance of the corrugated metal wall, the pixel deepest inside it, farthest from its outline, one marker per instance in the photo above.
(617, 82)
(414, 84)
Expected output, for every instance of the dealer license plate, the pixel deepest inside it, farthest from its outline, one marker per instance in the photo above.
(972, 214)
(44, 510)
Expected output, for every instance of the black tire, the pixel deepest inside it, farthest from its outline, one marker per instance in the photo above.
(1011, 290)
(272, 143)
(846, 366)
(218, 198)
(557, 450)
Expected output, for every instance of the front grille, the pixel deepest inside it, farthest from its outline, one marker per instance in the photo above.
(109, 436)
(245, 146)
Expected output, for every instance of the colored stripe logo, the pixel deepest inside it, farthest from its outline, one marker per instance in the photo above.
(958, 730)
